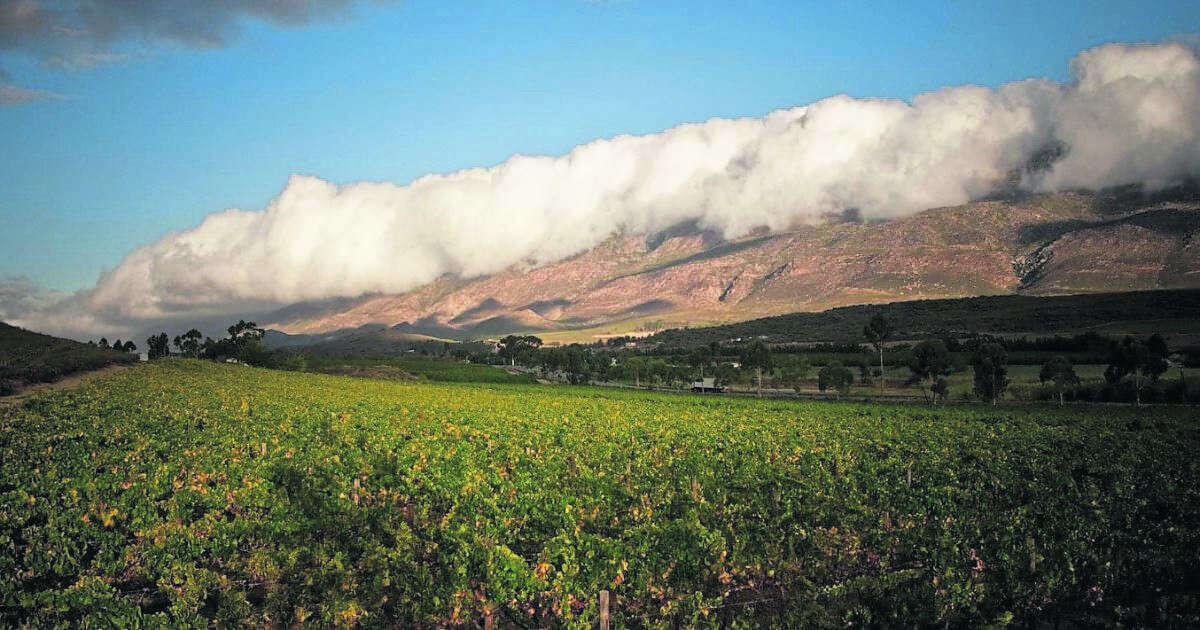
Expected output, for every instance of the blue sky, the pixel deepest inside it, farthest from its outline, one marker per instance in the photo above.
(393, 91)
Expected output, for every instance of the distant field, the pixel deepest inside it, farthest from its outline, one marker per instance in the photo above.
(1186, 327)
(433, 369)
(187, 493)
(28, 357)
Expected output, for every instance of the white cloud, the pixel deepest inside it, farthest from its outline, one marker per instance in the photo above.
(20, 296)
(1131, 115)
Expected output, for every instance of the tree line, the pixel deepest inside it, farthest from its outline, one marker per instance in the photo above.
(1134, 367)
(243, 344)
(1133, 373)
(1137, 362)
(118, 345)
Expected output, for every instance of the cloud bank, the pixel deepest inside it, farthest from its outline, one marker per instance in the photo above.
(1130, 115)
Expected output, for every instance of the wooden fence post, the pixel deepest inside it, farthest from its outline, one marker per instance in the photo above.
(603, 610)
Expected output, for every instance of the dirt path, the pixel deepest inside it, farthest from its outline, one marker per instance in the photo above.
(73, 380)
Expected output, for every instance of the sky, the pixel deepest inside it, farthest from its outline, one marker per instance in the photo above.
(124, 152)
(170, 162)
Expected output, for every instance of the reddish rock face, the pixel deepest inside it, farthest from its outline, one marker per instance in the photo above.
(1048, 244)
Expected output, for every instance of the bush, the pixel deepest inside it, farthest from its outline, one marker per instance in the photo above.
(290, 361)
(835, 376)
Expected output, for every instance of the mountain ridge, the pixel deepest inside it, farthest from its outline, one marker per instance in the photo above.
(1048, 244)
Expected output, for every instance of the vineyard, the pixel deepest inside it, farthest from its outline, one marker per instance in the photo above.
(186, 493)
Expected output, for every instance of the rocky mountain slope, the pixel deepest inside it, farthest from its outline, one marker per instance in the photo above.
(1034, 244)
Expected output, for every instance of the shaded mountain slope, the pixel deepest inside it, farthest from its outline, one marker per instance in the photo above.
(996, 314)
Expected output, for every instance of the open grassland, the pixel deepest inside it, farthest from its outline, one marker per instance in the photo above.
(187, 493)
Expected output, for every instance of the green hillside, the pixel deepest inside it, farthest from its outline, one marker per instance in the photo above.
(28, 357)
(1161, 310)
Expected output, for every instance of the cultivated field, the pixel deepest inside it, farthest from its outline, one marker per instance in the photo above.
(188, 493)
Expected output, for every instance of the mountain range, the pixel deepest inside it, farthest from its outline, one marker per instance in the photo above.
(1030, 244)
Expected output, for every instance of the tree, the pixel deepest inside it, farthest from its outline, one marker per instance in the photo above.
(1178, 361)
(603, 366)
(244, 331)
(254, 352)
(104, 343)
(576, 365)
(864, 370)
(990, 364)
(1152, 363)
(929, 360)
(635, 367)
(129, 346)
(1157, 346)
(245, 343)
(657, 371)
(1060, 372)
(188, 343)
(878, 331)
(940, 389)
(216, 349)
(700, 357)
(758, 358)
(1143, 360)
(156, 346)
(547, 360)
(795, 372)
(291, 361)
(1122, 361)
(835, 376)
(118, 345)
(725, 373)
(513, 347)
